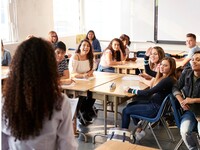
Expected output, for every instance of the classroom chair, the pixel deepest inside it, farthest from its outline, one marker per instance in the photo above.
(141, 54)
(160, 116)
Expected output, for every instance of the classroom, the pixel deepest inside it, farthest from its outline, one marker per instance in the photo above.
(139, 51)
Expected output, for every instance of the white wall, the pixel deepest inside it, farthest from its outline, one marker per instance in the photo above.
(36, 17)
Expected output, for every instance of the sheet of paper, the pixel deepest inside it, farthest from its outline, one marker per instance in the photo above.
(85, 79)
(135, 87)
(66, 85)
(131, 78)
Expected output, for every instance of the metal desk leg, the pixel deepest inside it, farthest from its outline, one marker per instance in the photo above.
(115, 110)
(105, 113)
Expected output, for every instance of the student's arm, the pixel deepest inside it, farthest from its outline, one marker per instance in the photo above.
(108, 58)
(147, 67)
(185, 61)
(65, 74)
(163, 84)
(123, 57)
(176, 90)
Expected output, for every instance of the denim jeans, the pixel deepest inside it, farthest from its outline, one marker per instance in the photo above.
(146, 109)
(103, 69)
(187, 126)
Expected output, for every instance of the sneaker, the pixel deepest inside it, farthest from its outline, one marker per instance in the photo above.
(139, 135)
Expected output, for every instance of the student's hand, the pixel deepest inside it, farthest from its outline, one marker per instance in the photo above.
(148, 51)
(90, 73)
(188, 100)
(123, 62)
(184, 105)
(126, 89)
(67, 81)
(69, 55)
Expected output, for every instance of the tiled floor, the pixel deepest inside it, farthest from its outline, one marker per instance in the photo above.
(97, 127)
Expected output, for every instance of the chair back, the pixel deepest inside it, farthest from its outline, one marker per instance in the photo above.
(164, 106)
(140, 54)
(176, 109)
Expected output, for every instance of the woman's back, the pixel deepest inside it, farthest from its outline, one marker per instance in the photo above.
(33, 104)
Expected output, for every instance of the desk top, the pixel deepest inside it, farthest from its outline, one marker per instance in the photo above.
(139, 63)
(4, 72)
(121, 83)
(116, 145)
(99, 79)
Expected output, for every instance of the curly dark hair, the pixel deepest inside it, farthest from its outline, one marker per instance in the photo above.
(90, 55)
(32, 90)
(116, 55)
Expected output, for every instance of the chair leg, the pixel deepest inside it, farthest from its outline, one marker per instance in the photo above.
(102, 135)
(168, 130)
(154, 136)
(179, 144)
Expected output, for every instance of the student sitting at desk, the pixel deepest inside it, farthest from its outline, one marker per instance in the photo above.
(81, 65)
(35, 114)
(62, 62)
(126, 42)
(191, 44)
(94, 41)
(152, 59)
(114, 54)
(186, 91)
(5, 56)
(147, 102)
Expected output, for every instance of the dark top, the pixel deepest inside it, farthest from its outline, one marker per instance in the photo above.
(157, 93)
(62, 66)
(188, 87)
(147, 67)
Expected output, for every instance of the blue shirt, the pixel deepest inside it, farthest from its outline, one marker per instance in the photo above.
(96, 45)
(6, 58)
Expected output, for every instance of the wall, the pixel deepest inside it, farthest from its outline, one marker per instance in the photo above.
(34, 20)
(34, 17)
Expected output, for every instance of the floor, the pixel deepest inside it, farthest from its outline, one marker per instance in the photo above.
(97, 127)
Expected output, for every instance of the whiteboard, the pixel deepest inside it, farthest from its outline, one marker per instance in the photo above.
(142, 20)
(176, 18)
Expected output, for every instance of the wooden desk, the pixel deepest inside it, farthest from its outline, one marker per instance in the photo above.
(82, 86)
(176, 52)
(116, 145)
(130, 66)
(4, 72)
(116, 94)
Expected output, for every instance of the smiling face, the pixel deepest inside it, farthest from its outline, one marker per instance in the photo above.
(195, 62)
(90, 35)
(115, 45)
(165, 67)
(154, 58)
(60, 54)
(190, 42)
(53, 38)
(85, 48)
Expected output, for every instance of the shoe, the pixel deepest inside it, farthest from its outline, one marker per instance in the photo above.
(139, 135)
